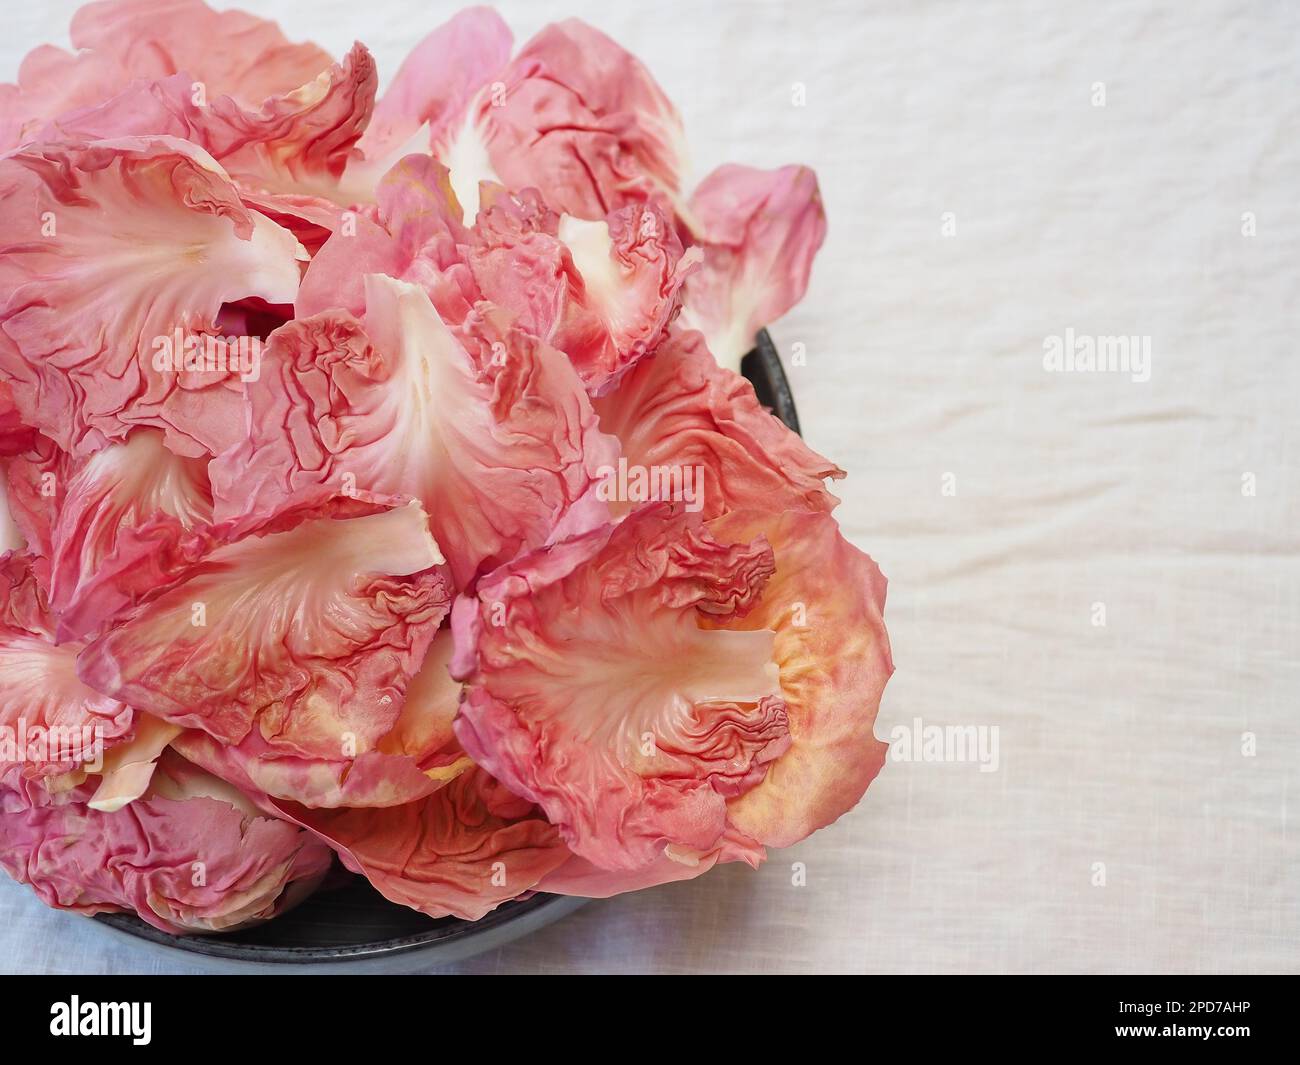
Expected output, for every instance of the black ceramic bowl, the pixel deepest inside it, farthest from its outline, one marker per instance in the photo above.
(350, 924)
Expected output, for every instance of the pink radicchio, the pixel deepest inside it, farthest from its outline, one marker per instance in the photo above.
(229, 51)
(578, 876)
(467, 315)
(54, 725)
(489, 427)
(101, 503)
(284, 119)
(461, 852)
(595, 690)
(113, 251)
(15, 437)
(192, 855)
(305, 637)
(416, 756)
(603, 292)
(414, 234)
(119, 42)
(296, 145)
(825, 605)
(681, 411)
(432, 101)
(581, 119)
(11, 537)
(574, 115)
(760, 230)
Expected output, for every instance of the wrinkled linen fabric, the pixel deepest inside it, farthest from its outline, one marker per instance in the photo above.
(1119, 744)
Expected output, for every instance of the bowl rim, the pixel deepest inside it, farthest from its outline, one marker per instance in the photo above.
(780, 398)
(450, 937)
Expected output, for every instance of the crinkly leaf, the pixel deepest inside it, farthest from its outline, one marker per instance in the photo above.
(51, 722)
(582, 120)
(129, 767)
(573, 115)
(306, 636)
(106, 497)
(577, 876)
(119, 42)
(431, 101)
(296, 144)
(109, 527)
(416, 757)
(685, 421)
(825, 603)
(162, 550)
(299, 142)
(287, 156)
(760, 230)
(461, 852)
(190, 856)
(603, 292)
(117, 260)
(415, 236)
(230, 52)
(52, 82)
(596, 691)
(488, 427)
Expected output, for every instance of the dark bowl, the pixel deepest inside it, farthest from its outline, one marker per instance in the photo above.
(347, 923)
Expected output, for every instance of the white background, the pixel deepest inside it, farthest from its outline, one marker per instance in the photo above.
(1120, 744)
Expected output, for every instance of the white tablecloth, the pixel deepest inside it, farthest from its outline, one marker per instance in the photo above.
(1122, 743)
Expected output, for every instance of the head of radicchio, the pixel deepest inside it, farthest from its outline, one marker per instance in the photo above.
(318, 409)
